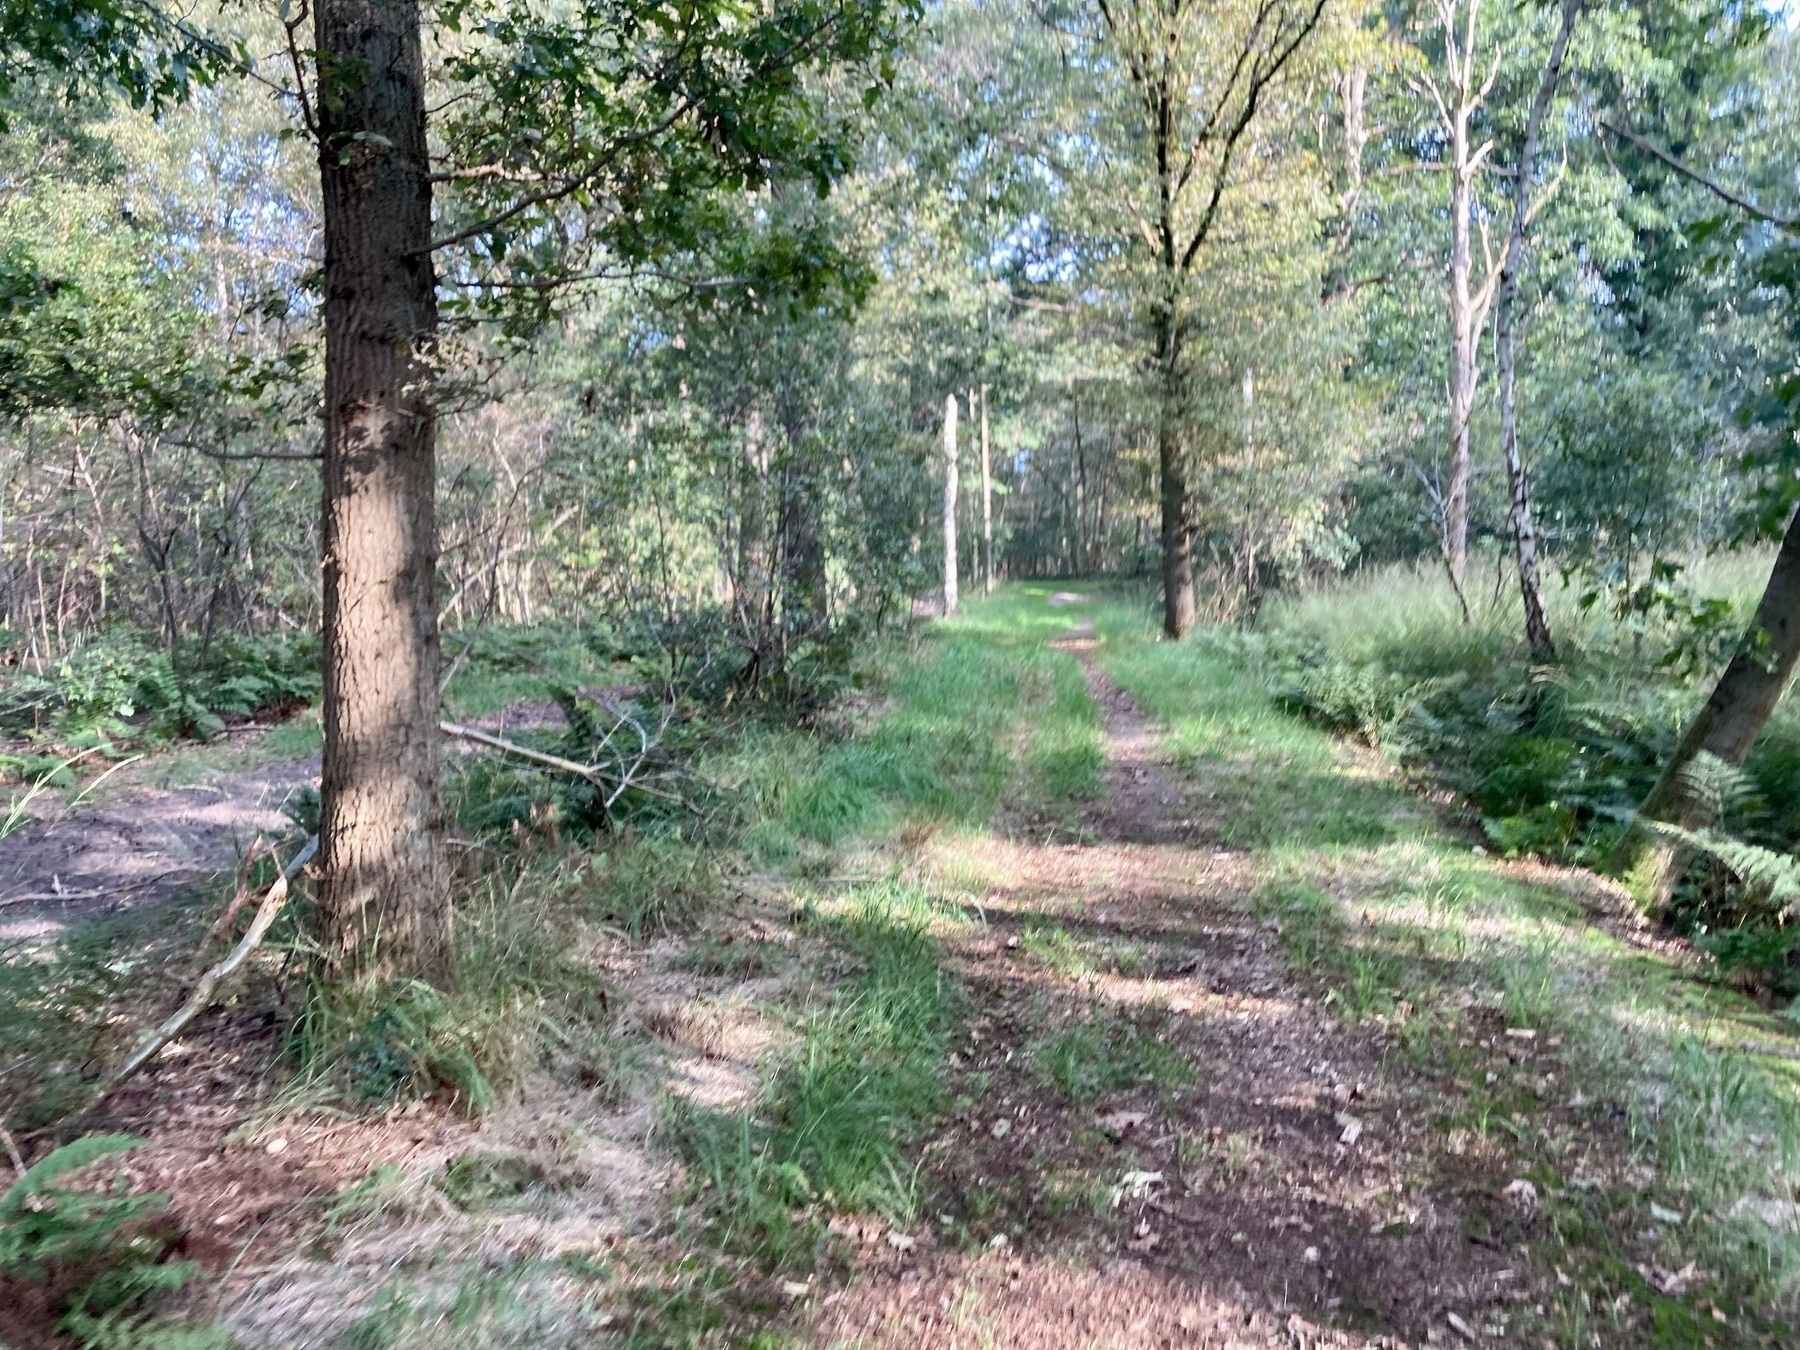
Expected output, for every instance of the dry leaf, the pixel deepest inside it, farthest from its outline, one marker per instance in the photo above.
(1351, 1127)
(1522, 1193)
(1460, 1325)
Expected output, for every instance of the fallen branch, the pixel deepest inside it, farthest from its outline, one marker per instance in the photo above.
(208, 985)
(590, 773)
(462, 733)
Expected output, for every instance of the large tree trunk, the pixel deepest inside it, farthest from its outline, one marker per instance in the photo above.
(987, 504)
(1726, 726)
(1524, 531)
(950, 596)
(381, 833)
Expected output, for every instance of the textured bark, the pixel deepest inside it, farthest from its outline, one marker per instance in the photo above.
(1728, 724)
(381, 832)
(1524, 531)
(987, 504)
(950, 596)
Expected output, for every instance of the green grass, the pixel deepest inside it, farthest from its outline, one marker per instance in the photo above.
(1108, 1055)
(843, 1110)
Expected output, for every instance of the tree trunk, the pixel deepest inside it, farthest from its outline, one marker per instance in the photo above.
(1465, 332)
(1727, 725)
(381, 833)
(1537, 625)
(1177, 539)
(987, 504)
(949, 505)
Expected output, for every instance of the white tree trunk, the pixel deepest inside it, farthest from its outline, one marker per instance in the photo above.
(950, 596)
(987, 504)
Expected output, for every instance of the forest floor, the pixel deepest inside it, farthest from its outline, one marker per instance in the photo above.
(1077, 996)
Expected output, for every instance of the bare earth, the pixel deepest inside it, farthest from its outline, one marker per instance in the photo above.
(144, 846)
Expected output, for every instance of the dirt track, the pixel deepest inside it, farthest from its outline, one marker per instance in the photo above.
(1246, 1211)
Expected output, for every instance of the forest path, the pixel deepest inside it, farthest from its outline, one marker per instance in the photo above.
(1166, 1140)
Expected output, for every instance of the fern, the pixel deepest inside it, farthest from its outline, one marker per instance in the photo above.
(45, 1229)
(1765, 872)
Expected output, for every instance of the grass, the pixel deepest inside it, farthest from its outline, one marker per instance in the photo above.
(1107, 1055)
(838, 1124)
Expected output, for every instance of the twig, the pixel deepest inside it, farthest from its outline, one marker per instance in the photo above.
(209, 984)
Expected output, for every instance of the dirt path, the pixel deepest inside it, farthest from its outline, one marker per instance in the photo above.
(1287, 1186)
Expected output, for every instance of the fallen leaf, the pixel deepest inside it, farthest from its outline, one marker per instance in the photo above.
(1522, 1193)
(900, 1242)
(1147, 1243)
(1310, 1254)
(795, 1289)
(1662, 1215)
(999, 1240)
(1002, 1128)
(1460, 1325)
(1521, 1033)
(1351, 1127)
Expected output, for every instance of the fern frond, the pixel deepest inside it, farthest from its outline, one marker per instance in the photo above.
(71, 1157)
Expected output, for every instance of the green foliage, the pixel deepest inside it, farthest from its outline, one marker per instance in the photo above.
(1108, 1055)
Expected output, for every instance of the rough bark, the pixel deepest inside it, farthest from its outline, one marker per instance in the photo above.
(1524, 531)
(1728, 723)
(381, 835)
(987, 504)
(950, 596)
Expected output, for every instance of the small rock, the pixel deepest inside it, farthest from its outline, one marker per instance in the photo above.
(794, 1289)
(1350, 1126)
(1311, 1254)
(900, 1242)
(1001, 1128)
(1456, 1321)
(999, 1240)
(276, 1146)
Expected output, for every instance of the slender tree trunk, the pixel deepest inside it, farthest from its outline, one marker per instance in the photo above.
(381, 834)
(1081, 530)
(1177, 539)
(1727, 725)
(1464, 334)
(987, 504)
(1537, 625)
(950, 596)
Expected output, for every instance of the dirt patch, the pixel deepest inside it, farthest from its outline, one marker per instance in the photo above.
(145, 846)
(1282, 1189)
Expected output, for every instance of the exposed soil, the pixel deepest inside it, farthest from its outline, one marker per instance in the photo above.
(146, 845)
(1289, 1197)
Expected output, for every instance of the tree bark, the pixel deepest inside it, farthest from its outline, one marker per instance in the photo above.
(1537, 624)
(987, 504)
(950, 596)
(1727, 725)
(381, 831)
(1177, 538)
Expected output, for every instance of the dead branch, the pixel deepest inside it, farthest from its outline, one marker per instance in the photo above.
(209, 984)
